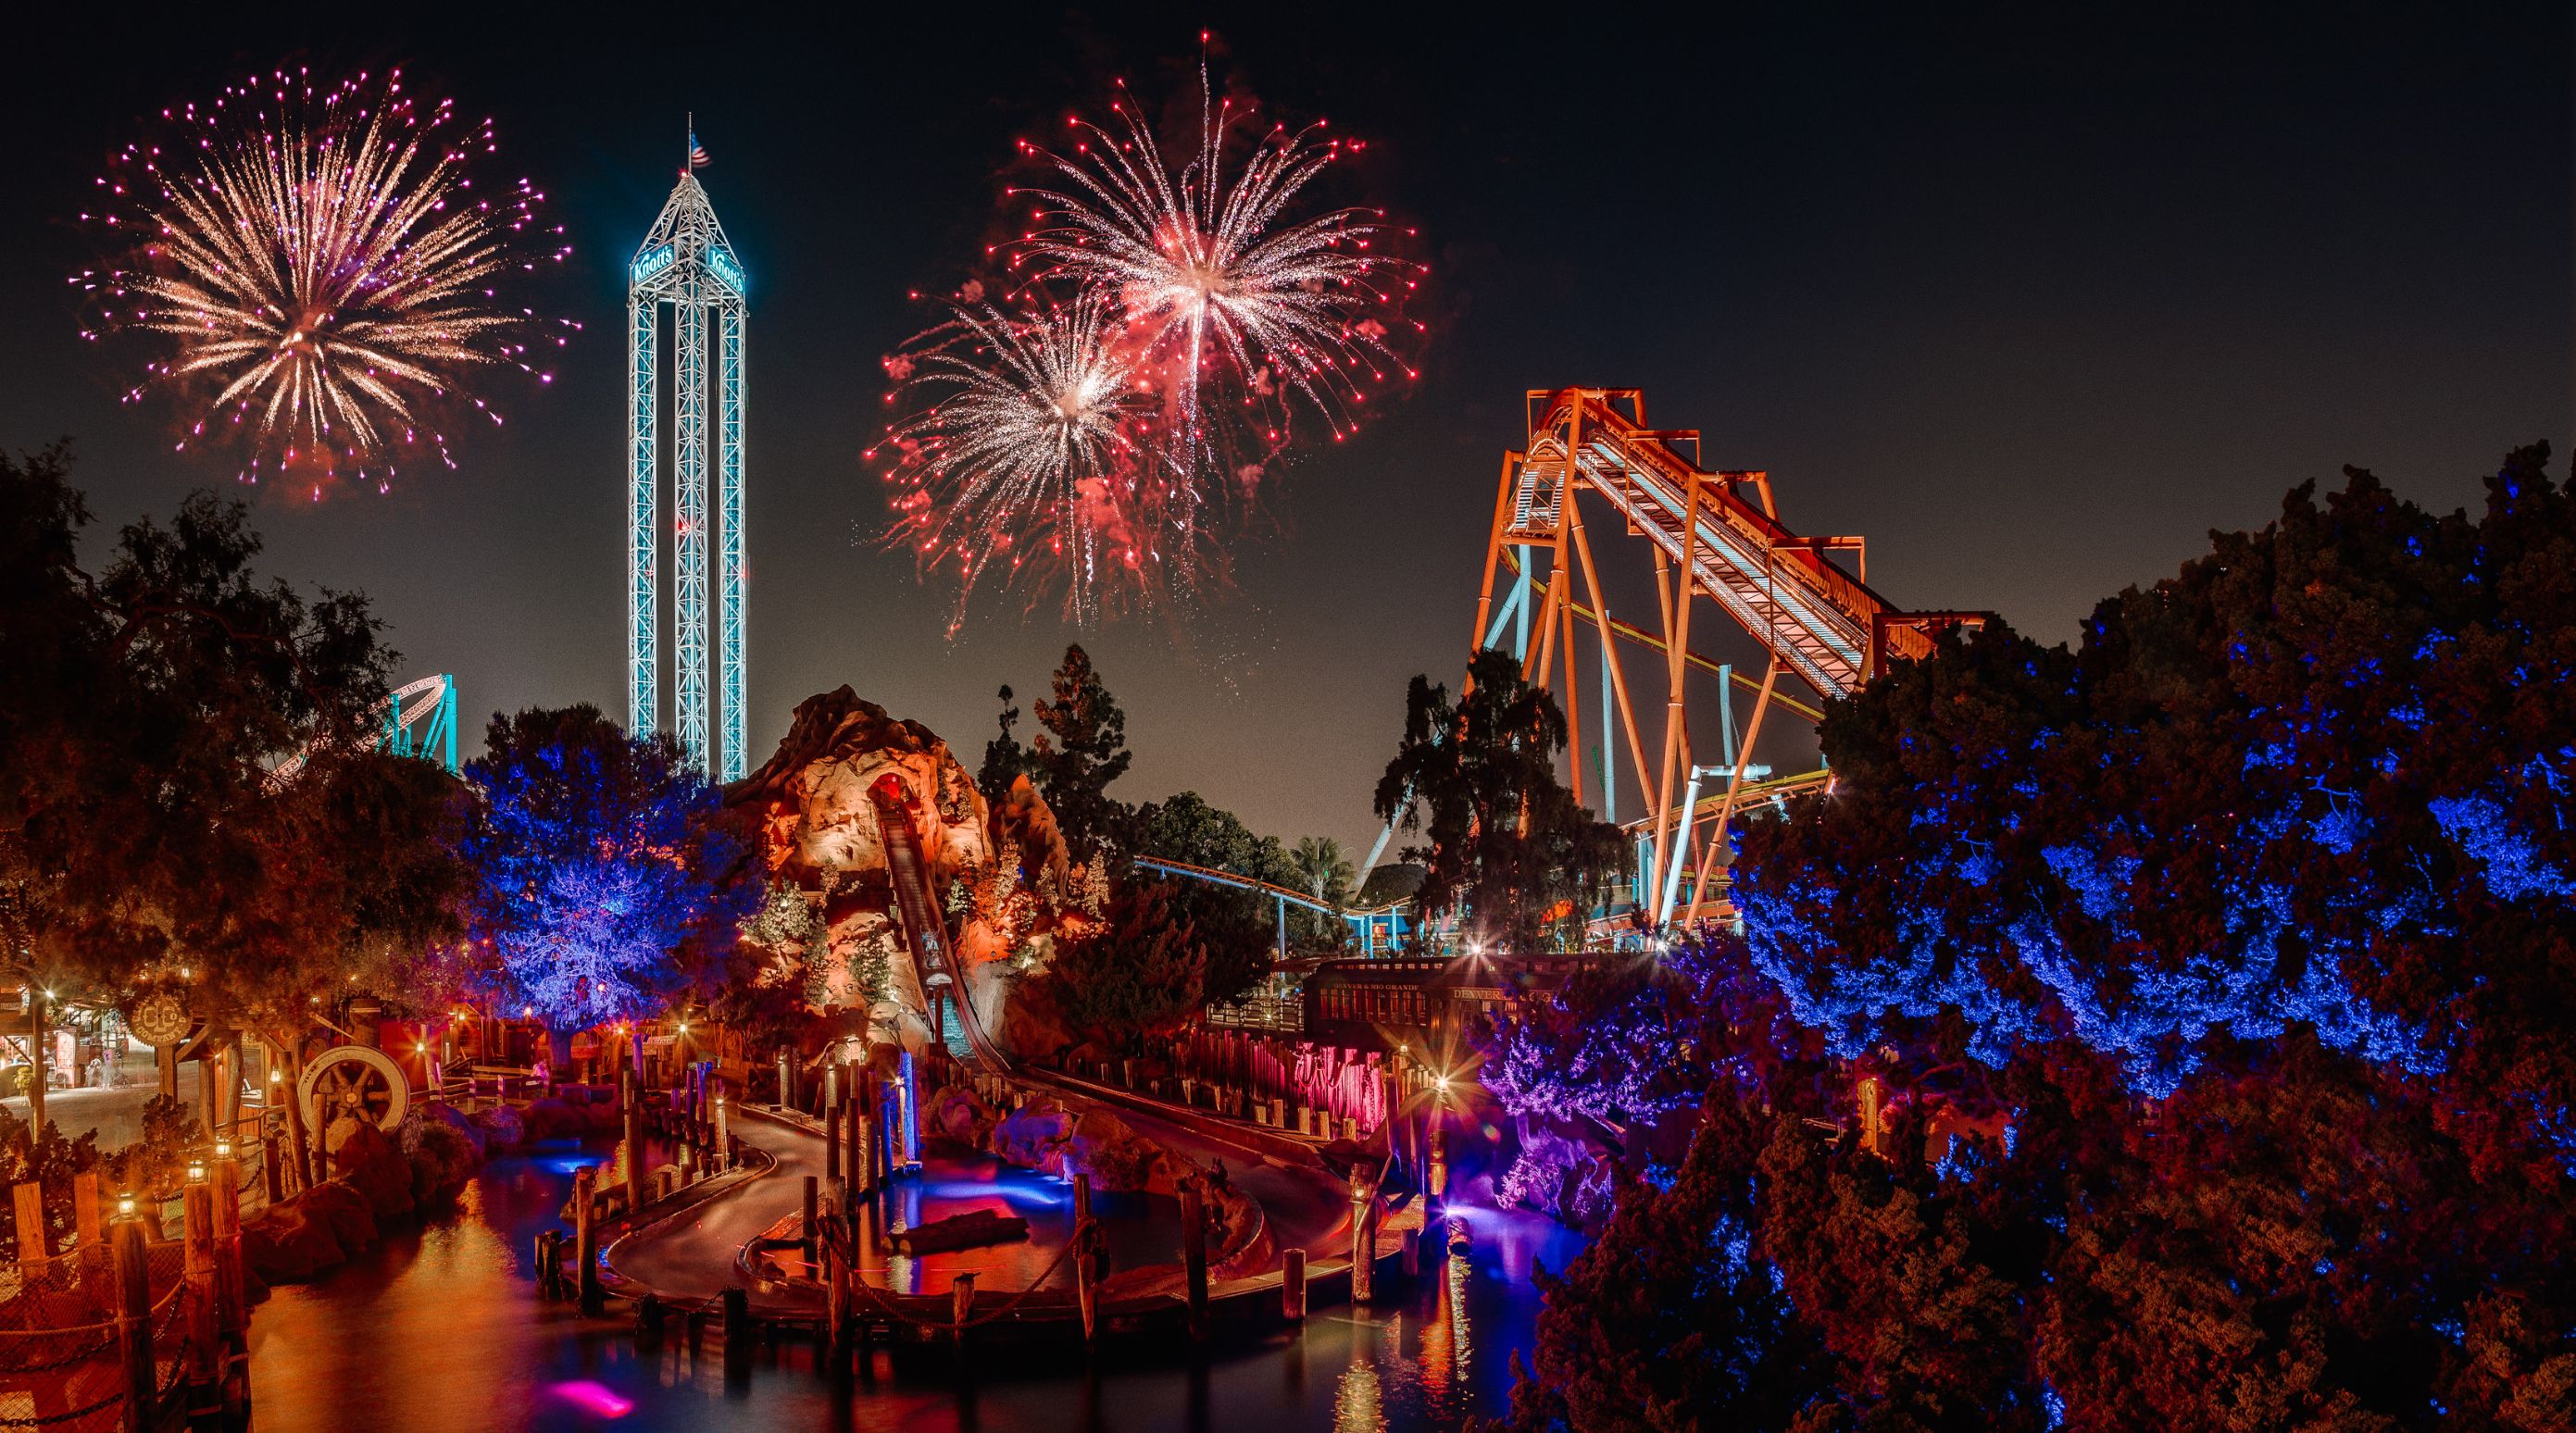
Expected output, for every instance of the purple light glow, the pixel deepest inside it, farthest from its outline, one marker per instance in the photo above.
(593, 1398)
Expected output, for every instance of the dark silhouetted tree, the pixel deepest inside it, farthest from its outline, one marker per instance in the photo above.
(1478, 777)
(1082, 749)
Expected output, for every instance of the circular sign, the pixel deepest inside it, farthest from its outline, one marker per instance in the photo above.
(159, 1019)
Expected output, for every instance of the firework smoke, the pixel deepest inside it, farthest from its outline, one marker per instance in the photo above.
(319, 274)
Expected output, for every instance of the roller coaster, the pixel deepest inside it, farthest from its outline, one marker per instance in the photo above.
(1710, 533)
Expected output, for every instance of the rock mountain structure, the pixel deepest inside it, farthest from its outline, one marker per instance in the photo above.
(998, 872)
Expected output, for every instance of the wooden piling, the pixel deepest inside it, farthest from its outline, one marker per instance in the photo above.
(836, 1295)
(1363, 1239)
(1292, 1286)
(723, 1136)
(630, 1101)
(961, 1303)
(738, 1335)
(1411, 1241)
(127, 1249)
(232, 1306)
(813, 1208)
(203, 1341)
(1194, 1258)
(832, 1142)
(585, 1243)
(1086, 1264)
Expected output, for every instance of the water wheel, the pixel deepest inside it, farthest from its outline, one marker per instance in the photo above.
(353, 1080)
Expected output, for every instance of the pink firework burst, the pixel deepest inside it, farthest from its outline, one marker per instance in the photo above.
(1235, 316)
(318, 274)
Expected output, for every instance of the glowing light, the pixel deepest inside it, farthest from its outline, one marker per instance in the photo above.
(319, 270)
(593, 1398)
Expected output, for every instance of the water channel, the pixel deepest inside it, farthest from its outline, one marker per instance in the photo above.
(440, 1328)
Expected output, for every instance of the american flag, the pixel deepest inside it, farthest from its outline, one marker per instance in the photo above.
(697, 152)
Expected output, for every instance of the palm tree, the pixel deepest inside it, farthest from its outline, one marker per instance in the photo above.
(1326, 874)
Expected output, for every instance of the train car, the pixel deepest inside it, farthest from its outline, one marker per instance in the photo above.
(1422, 1003)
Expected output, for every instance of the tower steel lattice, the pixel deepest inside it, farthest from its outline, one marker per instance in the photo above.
(687, 263)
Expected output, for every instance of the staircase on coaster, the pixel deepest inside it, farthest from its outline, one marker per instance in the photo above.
(1712, 533)
(925, 928)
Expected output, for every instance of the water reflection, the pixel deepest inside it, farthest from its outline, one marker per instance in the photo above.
(440, 1329)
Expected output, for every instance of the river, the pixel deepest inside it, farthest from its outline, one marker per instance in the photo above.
(439, 1328)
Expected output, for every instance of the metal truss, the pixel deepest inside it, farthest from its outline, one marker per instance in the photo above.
(687, 263)
(1713, 534)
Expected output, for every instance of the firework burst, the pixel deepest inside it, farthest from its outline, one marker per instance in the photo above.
(1032, 438)
(1234, 296)
(319, 274)
(1206, 312)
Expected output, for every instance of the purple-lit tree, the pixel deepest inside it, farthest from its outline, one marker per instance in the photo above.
(605, 887)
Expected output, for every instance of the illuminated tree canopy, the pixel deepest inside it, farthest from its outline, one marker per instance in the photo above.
(2320, 779)
(605, 888)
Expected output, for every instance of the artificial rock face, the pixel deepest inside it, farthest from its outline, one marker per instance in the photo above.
(999, 875)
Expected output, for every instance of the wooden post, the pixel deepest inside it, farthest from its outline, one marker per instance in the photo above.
(1086, 1265)
(272, 1172)
(33, 1247)
(723, 1136)
(961, 1302)
(134, 1322)
(836, 1294)
(88, 1225)
(786, 1077)
(630, 1113)
(231, 1304)
(1194, 1256)
(1292, 1286)
(737, 1335)
(1411, 1239)
(203, 1341)
(813, 1209)
(585, 1242)
(1363, 1238)
(854, 1132)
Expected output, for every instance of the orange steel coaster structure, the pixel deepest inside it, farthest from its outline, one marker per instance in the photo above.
(1709, 539)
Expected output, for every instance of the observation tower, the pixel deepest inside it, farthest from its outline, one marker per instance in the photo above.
(687, 266)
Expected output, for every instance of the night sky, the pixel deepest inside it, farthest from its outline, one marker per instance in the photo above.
(2033, 298)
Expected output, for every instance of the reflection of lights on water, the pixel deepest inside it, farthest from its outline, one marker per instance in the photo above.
(571, 1164)
(1358, 1406)
(593, 1398)
(991, 1189)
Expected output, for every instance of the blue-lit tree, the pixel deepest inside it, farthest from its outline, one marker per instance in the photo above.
(2319, 780)
(605, 887)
